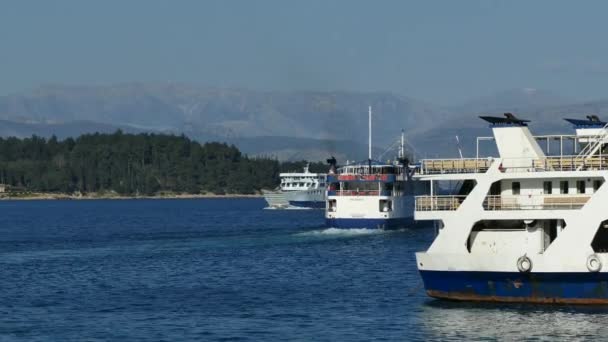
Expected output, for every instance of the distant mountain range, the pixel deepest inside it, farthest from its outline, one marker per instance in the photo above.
(512, 100)
(287, 125)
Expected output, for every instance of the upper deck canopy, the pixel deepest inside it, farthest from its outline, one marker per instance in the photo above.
(375, 169)
(593, 121)
(508, 120)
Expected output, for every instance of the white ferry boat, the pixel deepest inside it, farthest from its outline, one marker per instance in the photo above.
(298, 189)
(525, 226)
(372, 194)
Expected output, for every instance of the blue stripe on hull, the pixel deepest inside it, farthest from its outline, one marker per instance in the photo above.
(391, 223)
(566, 288)
(308, 204)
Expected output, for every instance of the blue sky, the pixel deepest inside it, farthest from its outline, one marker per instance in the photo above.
(443, 52)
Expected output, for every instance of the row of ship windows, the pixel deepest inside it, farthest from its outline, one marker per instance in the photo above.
(293, 185)
(564, 187)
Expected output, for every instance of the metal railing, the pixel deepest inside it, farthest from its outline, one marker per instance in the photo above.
(592, 147)
(571, 163)
(440, 203)
(464, 165)
(534, 202)
(549, 163)
(500, 202)
(359, 193)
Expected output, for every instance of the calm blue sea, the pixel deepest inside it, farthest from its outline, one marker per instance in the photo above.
(224, 269)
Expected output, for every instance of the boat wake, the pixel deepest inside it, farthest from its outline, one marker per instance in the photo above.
(288, 208)
(342, 232)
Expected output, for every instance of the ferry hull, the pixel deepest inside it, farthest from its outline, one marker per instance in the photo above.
(558, 288)
(308, 204)
(314, 199)
(375, 223)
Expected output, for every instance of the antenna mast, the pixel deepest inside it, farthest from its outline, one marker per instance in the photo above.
(402, 150)
(459, 147)
(370, 134)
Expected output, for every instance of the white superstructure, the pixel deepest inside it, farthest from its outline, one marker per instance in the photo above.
(526, 225)
(298, 189)
(372, 194)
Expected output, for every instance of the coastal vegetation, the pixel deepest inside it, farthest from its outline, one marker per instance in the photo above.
(134, 165)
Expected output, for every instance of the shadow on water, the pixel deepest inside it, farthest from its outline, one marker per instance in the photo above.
(516, 307)
(479, 321)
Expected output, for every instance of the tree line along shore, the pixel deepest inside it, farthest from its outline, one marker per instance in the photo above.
(123, 165)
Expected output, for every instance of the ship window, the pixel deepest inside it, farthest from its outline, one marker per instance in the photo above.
(600, 240)
(361, 186)
(580, 186)
(515, 188)
(548, 187)
(563, 187)
(331, 205)
(596, 184)
(495, 189)
(386, 206)
(551, 229)
(333, 186)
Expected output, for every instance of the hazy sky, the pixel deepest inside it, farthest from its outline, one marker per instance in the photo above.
(440, 51)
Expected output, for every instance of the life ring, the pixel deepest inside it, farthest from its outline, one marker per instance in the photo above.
(594, 264)
(524, 264)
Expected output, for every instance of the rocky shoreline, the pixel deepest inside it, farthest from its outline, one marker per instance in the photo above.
(115, 196)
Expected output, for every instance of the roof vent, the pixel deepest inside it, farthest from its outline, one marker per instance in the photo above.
(593, 121)
(508, 120)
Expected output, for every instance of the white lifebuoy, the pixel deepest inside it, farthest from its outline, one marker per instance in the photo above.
(594, 264)
(524, 264)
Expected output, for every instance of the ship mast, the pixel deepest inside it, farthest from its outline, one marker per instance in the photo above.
(369, 155)
(402, 147)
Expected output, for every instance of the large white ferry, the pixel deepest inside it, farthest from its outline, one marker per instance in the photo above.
(526, 226)
(298, 189)
(372, 194)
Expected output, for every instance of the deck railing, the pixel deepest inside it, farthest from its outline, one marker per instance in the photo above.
(440, 203)
(534, 202)
(549, 163)
(464, 165)
(571, 163)
(500, 202)
(359, 193)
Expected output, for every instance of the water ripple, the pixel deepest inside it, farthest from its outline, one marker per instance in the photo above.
(228, 270)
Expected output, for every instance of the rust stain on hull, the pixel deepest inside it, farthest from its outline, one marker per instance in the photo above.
(461, 296)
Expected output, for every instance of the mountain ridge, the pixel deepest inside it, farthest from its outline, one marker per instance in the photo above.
(248, 117)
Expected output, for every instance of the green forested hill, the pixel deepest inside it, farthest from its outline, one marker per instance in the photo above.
(132, 164)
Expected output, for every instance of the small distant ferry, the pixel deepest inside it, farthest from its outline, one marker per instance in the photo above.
(529, 225)
(298, 190)
(372, 194)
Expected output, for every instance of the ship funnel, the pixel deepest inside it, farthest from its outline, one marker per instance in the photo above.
(508, 120)
(332, 165)
(514, 140)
